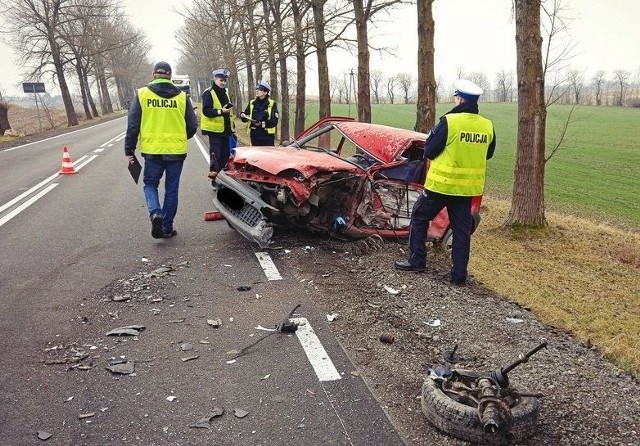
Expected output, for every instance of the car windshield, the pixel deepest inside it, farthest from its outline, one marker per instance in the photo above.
(328, 138)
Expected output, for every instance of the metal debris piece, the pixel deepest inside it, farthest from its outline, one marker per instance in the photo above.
(243, 288)
(185, 347)
(129, 330)
(372, 305)
(171, 397)
(44, 435)
(515, 320)
(177, 321)
(433, 323)
(204, 422)
(189, 358)
(332, 317)
(215, 323)
(86, 415)
(204, 341)
(390, 290)
(265, 377)
(240, 413)
(122, 368)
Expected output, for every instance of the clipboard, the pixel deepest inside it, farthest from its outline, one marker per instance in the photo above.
(134, 169)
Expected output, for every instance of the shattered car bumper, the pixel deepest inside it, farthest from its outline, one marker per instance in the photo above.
(244, 210)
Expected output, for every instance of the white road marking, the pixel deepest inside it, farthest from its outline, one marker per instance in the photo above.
(98, 150)
(317, 355)
(28, 192)
(268, 266)
(79, 166)
(27, 203)
(204, 150)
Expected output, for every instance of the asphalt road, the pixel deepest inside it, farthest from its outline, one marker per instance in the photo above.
(77, 260)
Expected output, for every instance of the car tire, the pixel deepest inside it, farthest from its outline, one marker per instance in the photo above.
(462, 421)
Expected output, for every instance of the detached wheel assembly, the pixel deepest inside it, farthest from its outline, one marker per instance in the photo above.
(462, 421)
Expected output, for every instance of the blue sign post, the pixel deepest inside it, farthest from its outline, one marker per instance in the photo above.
(34, 87)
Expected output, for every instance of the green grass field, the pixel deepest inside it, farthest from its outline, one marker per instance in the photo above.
(595, 173)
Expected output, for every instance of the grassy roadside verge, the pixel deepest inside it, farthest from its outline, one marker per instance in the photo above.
(576, 275)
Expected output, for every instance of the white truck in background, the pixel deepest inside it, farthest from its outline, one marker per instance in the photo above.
(182, 82)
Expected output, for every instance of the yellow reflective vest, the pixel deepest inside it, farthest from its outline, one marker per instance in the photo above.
(216, 124)
(270, 102)
(163, 129)
(460, 168)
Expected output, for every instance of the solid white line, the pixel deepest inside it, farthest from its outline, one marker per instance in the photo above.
(81, 165)
(58, 136)
(204, 150)
(317, 355)
(28, 192)
(26, 204)
(268, 266)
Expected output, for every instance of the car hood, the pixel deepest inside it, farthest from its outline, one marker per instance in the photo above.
(275, 160)
(382, 142)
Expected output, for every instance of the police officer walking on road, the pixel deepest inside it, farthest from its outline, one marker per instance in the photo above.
(261, 116)
(163, 118)
(217, 121)
(458, 146)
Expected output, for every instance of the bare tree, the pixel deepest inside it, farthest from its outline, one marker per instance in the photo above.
(481, 80)
(598, 84)
(405, 80)
(576, 81)
(35, 26)
(527, 204)
(555, 21)
(391, 86)
(504, 86)
(376, 80)
(426, 107)
(363, 11)
(621, 78)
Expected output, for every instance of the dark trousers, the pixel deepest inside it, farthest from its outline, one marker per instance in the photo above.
(263, 140)
(218, 151)
(428, 205)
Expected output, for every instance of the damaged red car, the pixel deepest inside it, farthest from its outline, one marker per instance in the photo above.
(339, 177)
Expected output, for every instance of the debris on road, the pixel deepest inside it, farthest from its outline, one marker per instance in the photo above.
(332, 317)
(390, 290)
(243, 288)
(129, 330)
(205, 422)
(387, 338)
(44, 435)
(190, 358)
(171, 397)
(215, 323)
(86, 415)
(125, 368)
(240, 413)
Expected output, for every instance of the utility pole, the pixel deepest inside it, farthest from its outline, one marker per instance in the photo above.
(352, 87)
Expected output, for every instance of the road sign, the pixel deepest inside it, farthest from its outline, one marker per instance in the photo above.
(33, 87)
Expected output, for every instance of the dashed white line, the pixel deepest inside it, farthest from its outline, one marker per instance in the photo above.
(27, 203)
(317, 355)
(268, 266)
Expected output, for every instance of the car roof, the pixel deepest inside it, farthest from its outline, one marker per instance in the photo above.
(382, 142)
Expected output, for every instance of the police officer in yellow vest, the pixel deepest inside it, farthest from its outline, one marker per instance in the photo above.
(458, 146)
(217, 121)
(261, 116)
(162, 117)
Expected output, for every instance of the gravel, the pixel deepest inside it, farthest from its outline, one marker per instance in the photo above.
(586, 399)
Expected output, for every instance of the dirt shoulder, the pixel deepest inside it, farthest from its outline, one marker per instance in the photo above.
(587, 400)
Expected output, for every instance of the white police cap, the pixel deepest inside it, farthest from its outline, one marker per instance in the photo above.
(467, 90)
(263, 85)
(221, 72)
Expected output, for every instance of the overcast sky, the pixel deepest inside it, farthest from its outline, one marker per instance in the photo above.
(470, 34)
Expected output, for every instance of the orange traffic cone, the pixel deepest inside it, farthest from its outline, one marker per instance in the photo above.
(67, 164)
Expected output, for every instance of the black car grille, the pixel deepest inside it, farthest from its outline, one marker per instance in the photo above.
(247, 215)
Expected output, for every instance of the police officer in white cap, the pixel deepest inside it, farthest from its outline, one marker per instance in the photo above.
(261, 116)
(217, 121)
(458, 146)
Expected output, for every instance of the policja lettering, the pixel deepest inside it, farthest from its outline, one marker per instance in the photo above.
(163, 103)
(472, 137)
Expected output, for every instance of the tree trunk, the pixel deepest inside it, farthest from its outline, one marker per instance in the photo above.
(527, 204)
(324, 90)
(83, 91)
(72, 118)
(301, 75)
(273, 71)
(426, 108)
(363, 97)
(284, 78)
(4, 118)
